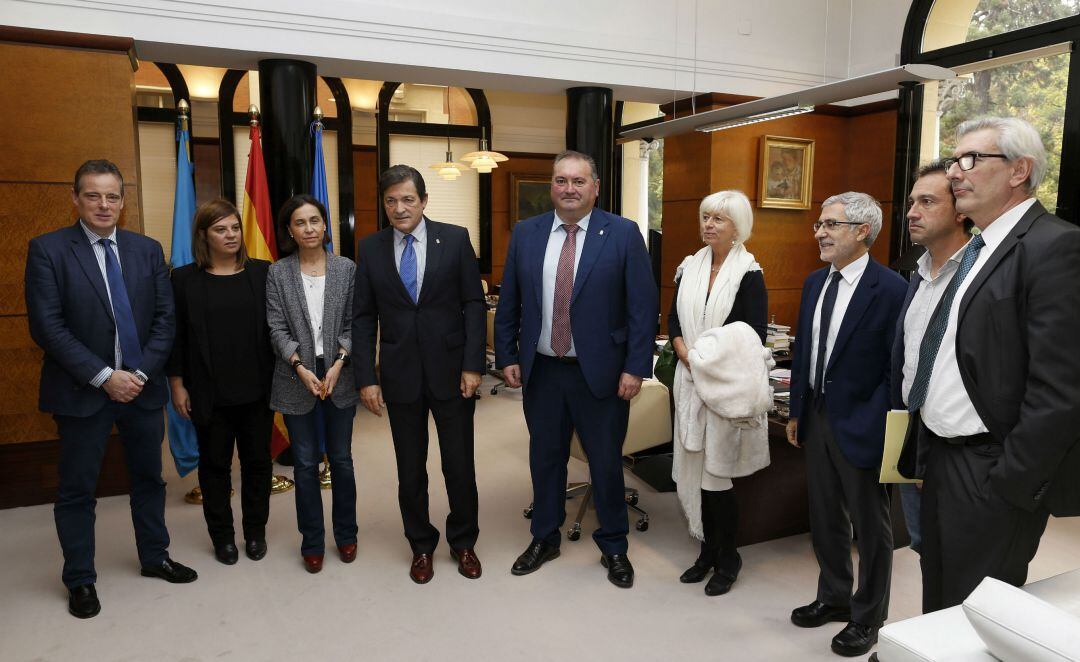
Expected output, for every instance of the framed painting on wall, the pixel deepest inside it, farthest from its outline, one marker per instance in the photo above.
(786, 172)
(530, 195)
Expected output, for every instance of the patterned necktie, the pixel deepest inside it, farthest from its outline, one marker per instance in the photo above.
(935, 331)
(130, 349)
(408, 267)
(823, 332)
(564, 287)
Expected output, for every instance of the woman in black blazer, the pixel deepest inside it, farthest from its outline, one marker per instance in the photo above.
(220, 373)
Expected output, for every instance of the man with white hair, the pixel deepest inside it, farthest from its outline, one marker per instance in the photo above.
(996, 394)
(839, 397)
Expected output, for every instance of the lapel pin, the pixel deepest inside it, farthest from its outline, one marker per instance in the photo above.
(601, 232)
(437, 241)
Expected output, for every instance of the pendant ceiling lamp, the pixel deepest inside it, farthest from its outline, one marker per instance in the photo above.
(448, 170)
(484, 160)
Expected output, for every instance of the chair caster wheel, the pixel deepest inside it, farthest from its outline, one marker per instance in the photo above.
(494, 390)
(527, 513)
(642, 525)
(573, 534)
(632, 499)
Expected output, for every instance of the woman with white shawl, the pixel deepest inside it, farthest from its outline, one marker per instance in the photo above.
(721, 284)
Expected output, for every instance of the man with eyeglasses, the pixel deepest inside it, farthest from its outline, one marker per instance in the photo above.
(839, 398)
(100, 305)
(934, 224)
(996, 394)
(575, 328)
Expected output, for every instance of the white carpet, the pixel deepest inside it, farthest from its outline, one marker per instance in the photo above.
(274, 610)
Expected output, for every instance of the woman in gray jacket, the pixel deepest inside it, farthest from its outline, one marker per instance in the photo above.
(309, 310)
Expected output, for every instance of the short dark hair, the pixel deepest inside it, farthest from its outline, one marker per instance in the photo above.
(574, 154)
(935, 166)
(285, 241)
(206, 215)
(97, 167)
(398, 174)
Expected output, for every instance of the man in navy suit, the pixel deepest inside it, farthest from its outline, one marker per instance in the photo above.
(839, 398)
(101, 307)
(418, 285)
(575, 327)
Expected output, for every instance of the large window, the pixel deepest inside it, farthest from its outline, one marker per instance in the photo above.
(954, 22)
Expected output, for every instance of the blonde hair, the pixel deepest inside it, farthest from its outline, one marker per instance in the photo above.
(733, 205)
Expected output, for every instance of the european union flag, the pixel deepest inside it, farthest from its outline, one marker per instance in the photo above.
(182, 441)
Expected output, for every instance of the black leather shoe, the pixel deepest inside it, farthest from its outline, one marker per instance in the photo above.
(537, 554)
(255, 549)
(171, 571)
(818, 613)
(855, 639)
(83, 602)
(727, 571)
(226, 553)
(620, 572)
(697, 572)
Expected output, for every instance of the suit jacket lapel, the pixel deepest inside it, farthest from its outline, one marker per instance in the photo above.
(538, 248)
(127, 268)
(84, 253)
(865, 292)
(594, 243)
(292, 273)
(434, 253)
(1003, 249)
(386, 253)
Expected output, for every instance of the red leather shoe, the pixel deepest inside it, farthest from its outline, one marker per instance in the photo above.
(422, 569)
(348, 552)
(468, 563)
(313, 563)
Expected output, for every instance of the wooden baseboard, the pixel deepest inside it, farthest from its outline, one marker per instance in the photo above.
(29, 474)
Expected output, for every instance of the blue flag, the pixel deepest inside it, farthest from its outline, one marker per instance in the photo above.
(318, 179)
(182, 440)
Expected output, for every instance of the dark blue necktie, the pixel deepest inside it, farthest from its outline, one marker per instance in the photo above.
(935, 331)
(408, 267)
(130, 349)
(823, 332)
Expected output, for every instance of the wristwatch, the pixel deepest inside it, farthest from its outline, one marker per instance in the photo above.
(343, 357)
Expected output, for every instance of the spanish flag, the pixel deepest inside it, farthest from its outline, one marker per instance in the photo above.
(261, 243)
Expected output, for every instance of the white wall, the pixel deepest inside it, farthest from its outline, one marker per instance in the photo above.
(641, 48)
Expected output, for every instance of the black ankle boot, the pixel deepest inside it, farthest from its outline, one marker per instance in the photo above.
(727, 571)
(702, 566)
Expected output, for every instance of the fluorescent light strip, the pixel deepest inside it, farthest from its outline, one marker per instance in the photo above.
(754, 119)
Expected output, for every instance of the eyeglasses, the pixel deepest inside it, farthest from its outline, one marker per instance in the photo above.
(830, 224)
(967, 161)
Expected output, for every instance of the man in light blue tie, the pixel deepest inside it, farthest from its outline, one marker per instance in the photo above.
(100, 306)
(418, 285)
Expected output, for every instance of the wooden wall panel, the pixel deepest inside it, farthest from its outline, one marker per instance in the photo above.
(688, 160)
(538, 165)
(20, 419)
(365, 192)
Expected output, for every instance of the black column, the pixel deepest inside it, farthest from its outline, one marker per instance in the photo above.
(286, 100)
(590, 129)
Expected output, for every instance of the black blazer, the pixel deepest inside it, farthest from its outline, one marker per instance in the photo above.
(190, 357)
(71, 318)
(431, 341)
(1019, 354)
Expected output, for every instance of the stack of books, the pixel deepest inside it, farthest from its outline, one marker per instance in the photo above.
(778, 339)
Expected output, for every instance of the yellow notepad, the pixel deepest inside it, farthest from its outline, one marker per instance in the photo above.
(896, 425)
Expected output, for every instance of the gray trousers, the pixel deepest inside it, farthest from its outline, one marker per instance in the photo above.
(845, 497)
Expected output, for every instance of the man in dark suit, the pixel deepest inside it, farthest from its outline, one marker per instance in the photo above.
(996, 389)
(575, 326)
(418, 285)
(100, 306)
(839, 398)
(934, 224)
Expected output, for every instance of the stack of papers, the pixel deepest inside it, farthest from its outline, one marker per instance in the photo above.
(778, 338)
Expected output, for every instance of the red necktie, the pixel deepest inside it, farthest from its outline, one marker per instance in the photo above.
(564, 287)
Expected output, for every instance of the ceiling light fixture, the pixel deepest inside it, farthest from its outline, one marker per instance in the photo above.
(754, 119)
(448, 170)
(484, 160)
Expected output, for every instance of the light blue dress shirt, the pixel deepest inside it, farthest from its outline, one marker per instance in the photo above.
(419, 234)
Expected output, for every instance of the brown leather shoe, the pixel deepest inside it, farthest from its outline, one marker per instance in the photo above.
(468, 563)
(313, 563)
(348, 552)
(421, 570)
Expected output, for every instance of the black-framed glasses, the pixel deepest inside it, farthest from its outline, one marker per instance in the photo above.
(830, 224)
(967, 161)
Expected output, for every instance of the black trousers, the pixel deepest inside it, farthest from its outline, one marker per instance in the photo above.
(968, 532)
(249, 426)
(843, 496)
(454, 424)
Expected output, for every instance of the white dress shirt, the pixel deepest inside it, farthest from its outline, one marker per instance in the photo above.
(99, 255)
(419, 234)
(849, 280)
(314, 294)
(922, 306)
(551, 265)
(948, 411)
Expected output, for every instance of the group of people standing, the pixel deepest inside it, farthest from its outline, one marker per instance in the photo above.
(977, 347)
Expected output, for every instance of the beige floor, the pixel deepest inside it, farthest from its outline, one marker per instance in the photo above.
(273, 610)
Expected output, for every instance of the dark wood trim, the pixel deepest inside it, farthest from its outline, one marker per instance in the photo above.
(176, 82)
(346, 219)
(617, 163)
(1009, 43)
(95, 42)
(530, 155)
(163, 115)
(30, 476)
(883, 106)
(908, 135)
(364, 148)
(483, 119)
(216, 142)
(227, 119)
